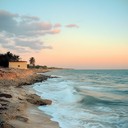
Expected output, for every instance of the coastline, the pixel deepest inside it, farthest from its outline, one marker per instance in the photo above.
(18, 104)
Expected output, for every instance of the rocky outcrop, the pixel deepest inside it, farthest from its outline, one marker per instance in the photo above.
(35, 99)
(14, 99)
(21, 118)
(5, 95)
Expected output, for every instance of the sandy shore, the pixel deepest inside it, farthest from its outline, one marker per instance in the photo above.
(18, 104)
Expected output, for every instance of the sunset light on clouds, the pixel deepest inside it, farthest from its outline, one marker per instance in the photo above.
(85, 34)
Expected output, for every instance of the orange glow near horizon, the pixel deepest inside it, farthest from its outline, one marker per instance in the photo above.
(84, 56)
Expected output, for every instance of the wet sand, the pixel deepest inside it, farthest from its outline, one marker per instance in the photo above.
(36, 119)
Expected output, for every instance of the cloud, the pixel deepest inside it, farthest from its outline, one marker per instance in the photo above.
(72, 26)
(55, 31)
(32, 44)
(29, 18)
(23, 32)
(7, 21)
(22, 44)
(23, 25)
(57, 25)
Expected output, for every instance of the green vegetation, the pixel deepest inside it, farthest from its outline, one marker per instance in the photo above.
(32, 62)
(37, 66)
(5, 58)
(40, 66)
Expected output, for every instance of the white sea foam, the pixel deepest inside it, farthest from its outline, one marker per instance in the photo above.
(64, 99)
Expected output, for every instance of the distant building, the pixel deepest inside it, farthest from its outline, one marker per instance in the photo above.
(18, 64)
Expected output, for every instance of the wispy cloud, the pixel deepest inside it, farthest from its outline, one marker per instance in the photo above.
(72, 26)
(23, 32)
(57, 25)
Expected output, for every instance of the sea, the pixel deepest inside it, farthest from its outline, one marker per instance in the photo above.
(86, 98)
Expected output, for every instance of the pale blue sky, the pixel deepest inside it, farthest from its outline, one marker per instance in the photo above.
(70, 10)
(102, 24)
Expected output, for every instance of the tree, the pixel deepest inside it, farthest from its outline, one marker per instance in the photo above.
(12, 57)
(5, 58)
(32, 61)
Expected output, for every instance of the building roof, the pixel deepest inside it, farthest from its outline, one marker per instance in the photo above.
(17, 61)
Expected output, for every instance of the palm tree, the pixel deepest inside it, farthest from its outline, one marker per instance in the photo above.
(32, 61)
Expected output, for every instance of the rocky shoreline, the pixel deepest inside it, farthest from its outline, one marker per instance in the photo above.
(15, 99)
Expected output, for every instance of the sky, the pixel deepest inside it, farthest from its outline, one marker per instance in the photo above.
(82, 34)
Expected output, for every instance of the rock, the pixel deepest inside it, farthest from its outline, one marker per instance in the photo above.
(3, 108)
(3, 104)
(35, 99)
(3, 124)
(20, 118)
(20, 98)
(3, 100)
(5, 95)
(47, 102)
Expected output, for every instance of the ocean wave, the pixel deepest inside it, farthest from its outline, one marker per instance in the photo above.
(91, 101)
(86, 100)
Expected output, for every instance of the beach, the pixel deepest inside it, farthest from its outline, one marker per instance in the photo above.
(18, 101)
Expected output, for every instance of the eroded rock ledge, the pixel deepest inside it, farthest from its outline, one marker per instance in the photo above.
(35, 99)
